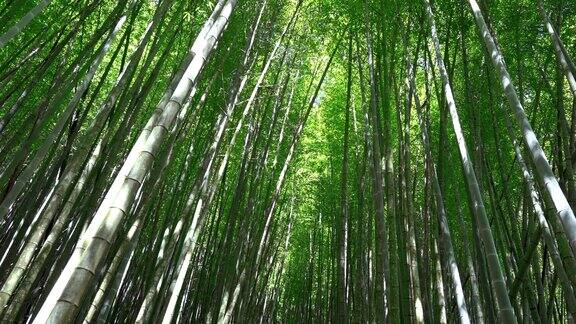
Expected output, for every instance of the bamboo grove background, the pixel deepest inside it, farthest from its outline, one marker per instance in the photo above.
(258, 161)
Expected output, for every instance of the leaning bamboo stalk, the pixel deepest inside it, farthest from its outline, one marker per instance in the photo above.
(146, 307)
(559, 49)
(196, 196)
(126, 247)
(560, 267)
(159, 175)
(542, 167)
(506, 312)
(23, 22)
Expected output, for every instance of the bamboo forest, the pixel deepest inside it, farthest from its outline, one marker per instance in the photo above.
(287, 161)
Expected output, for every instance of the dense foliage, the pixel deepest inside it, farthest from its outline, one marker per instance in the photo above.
(287, 161)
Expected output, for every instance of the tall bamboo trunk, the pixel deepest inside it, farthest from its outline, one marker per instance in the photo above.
(342, 305)
(505, 310)
(381, 264)
(23, 22)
